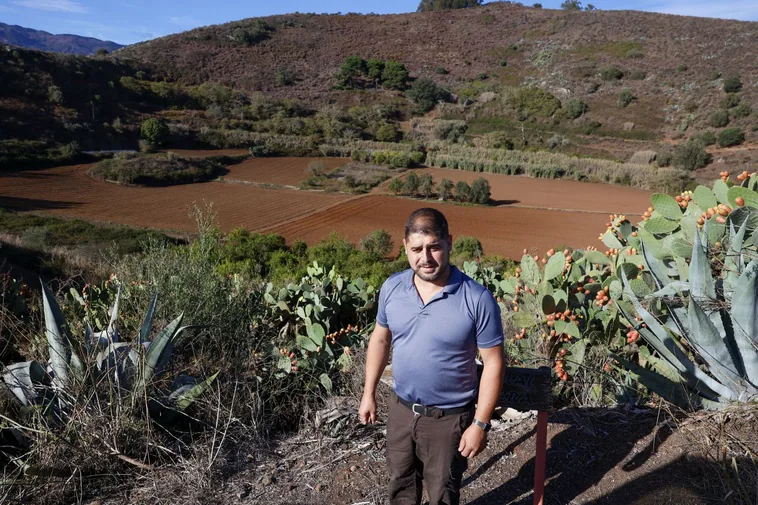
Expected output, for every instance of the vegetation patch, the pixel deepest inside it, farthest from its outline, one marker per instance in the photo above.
(158, 169)
(353, 177)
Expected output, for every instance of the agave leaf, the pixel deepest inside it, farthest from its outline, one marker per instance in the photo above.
(671, 391)
(701, 278)
(186, 395)
(656, 266)
(25, 379)
(712, 348)
(63, 359)
(673, 289)
(156, 351)
(745, 320)
(147, 324)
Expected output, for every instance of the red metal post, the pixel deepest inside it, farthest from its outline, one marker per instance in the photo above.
(540, 458)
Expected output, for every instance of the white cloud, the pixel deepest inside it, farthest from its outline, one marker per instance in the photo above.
(52, 5)
(184, 21)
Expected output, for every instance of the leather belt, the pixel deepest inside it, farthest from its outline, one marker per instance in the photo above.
(435, 412)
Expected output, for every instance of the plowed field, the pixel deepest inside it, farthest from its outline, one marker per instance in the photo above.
(553, 193)
(69, 191)
(502, 230)
(281, 171)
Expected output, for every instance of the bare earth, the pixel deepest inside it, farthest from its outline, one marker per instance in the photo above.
(533, 214)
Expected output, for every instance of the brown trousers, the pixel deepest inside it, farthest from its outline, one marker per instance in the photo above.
(423, 447)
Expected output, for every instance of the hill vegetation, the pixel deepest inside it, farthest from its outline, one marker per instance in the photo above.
(63, 43)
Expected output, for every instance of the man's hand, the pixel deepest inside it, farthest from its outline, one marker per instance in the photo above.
(473, 441)
(367, 410)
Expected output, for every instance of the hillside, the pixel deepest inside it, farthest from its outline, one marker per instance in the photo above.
(669, 62)
(62, 43)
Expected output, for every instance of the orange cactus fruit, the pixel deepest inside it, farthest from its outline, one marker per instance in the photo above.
(739, 201)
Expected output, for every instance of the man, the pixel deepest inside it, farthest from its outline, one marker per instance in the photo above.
(435, 318)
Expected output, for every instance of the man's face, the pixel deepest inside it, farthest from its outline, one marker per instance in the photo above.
(428, 255)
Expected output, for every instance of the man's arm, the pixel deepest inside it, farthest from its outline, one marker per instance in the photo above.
(377, 356)
(473, 439)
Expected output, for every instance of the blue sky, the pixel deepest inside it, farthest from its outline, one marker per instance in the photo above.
(129, 21)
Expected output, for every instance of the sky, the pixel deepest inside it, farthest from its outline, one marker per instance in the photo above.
(130, 21)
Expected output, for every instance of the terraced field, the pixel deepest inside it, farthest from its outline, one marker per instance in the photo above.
(278, 171)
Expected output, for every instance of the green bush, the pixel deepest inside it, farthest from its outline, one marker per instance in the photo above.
(441, 71)
(480, 191)
(719, 118)
(374, 70)
(731, 137)
(426, 185)
(157, 170)
(54, 94)
(690, 155)
(467, 249)
(638, 75)
(285, 77)
(626, 97)
(730, 100)
(733, 84)
(706, 137)
(425, 94)
(742, 110)
(410, 186)
(533, 102)
(70, 150)
(682, 68)
(252, 34)
(155, 131)
(575, 108)
(394, 75)
(462, 191)
(611, 74)
(396, 185)
(351, 70)
(387, 133)
(378, 243)
(445, 189)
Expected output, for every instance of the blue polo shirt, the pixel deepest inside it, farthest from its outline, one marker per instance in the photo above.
(435, 344)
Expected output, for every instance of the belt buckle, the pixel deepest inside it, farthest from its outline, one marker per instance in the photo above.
(415, 412)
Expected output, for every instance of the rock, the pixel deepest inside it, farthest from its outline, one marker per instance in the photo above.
(267, 480)
(319, 487)
(353, 468)
(243, 493)
(628, 126)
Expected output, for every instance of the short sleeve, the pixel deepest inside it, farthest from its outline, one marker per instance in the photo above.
(489, 325)
(381, 315)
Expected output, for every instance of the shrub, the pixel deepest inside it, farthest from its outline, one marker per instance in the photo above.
(451, 131)
(54, 94)
(571, 5)
(463, 191)
(70, 150)
(537, 6)
(664, 157)
(635, 53)
(101, 52)
(706, 137)
(425, 94)
(396, 185)
(682, 68)
(730, 100)
(611, 74)
(155, 131)
(318, 168)
(575, 108)
(351, 70)
(441, 71)
(284, 77)
(378, 243)
(719, 118)
(638, 75)
(731, 137)
(690, 155)
(467, 248)
(256, 32)
(394, 75)
(426, 185)
(733, 84)
(480, 191)
(742, 110)
(625, 98)
(445, 189)
(410, 186)
(533, 102)
(387, 133)
(158, 170)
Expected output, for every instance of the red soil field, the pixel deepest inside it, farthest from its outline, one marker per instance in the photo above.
(502, 230)
(204, 153)
(281, 171)
(70, 192)
(521, 191)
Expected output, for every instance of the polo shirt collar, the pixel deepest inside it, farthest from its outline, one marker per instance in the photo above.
(453, 282)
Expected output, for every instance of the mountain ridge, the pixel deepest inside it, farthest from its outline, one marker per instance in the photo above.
(41, 40)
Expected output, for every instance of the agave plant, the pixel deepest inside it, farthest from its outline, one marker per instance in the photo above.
(127, 366)
(714, 317)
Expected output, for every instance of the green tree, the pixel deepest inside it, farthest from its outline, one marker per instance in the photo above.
(571, 5)
(690, 155)
(155, 131)
(445, 189)
(374, 70)
(730, 100)
(440, 5)
(426, 185)
(386, 133)
(350, 72)
(575, 108)
(731, 137)
(462, 191)
(54, 94)
(480, 191)
(284, 77)
(394, 75)
(467, 248)
(733, 84)
(719, 118)
(425, 94)
(410, 186)
(378, 243)
(396, 185)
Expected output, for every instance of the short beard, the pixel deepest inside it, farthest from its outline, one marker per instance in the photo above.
(434, 276)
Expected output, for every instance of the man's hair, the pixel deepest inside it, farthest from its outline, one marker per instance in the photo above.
(427, 221)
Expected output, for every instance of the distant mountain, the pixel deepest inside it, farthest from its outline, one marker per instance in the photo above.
(44, 41)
